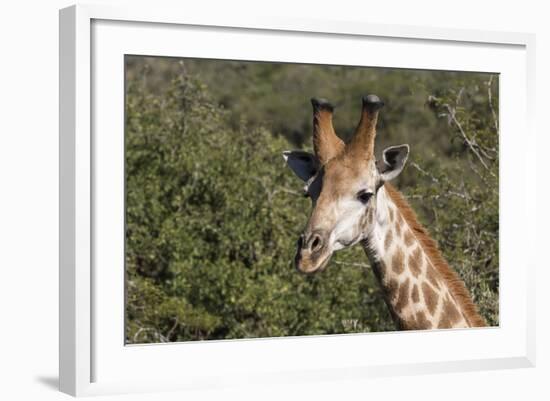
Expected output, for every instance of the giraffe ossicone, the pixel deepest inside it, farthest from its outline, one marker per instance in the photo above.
(353, 202)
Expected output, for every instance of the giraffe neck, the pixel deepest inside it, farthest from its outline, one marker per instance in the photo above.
(416, 291)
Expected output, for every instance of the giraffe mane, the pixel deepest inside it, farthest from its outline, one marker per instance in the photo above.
(454, 283)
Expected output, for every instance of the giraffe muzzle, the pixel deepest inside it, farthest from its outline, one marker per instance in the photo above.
(312, 254)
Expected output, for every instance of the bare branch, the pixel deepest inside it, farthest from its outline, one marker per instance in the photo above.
(171, 331)
(424, 172)
(459, 95)
(473, 147)
(363, 265)
(155, 332)
(490, 95)
(290, 191)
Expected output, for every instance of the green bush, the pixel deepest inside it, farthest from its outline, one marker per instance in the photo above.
(213, 213)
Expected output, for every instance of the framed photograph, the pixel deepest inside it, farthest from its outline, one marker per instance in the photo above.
(272, 201)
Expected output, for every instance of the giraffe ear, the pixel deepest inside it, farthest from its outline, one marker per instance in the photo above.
(395, 158)
(304, 164)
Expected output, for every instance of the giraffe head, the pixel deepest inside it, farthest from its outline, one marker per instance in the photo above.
(342, 182)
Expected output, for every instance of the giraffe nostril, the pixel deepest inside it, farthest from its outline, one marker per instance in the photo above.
(315, 242)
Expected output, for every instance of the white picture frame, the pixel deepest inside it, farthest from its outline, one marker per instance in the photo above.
(93, 357)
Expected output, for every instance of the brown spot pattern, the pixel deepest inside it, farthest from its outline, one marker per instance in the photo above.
(387, 241)
(398, 229)
(422, 322)
(402, 296)
(415, 262)
(391, 213)
(450, 311)
(391, 289)
(397, 262)
(445, 274)
(444, 323)
(432, 276)
(430, 297)
(408, 238)
(414, 295)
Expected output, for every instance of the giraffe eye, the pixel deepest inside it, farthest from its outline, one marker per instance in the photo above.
(363, 196)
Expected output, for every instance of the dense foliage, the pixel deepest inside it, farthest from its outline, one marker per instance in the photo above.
(213, 214)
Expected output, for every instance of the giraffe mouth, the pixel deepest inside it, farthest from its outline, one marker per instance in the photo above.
(308, 265)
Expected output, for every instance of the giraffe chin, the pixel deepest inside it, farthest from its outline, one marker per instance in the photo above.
(310, 266)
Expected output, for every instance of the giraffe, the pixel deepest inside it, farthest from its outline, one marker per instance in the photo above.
(353, 202)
